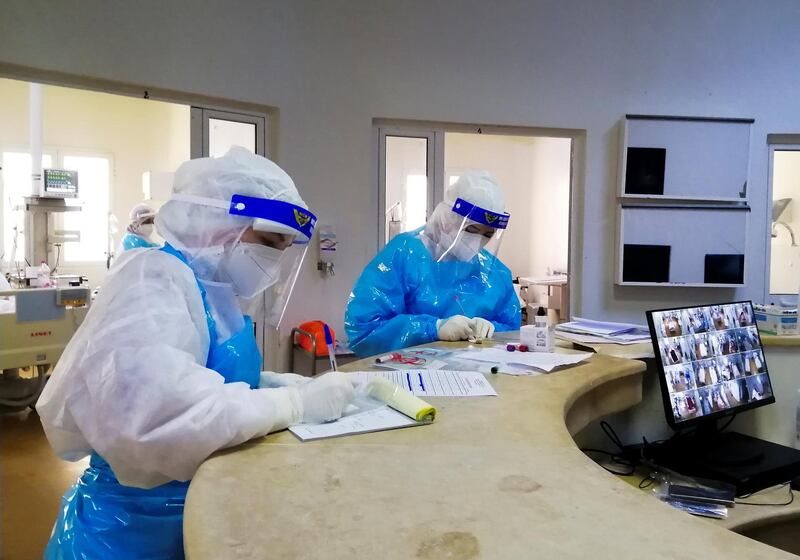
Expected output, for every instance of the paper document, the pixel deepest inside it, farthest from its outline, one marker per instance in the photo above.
(621, 333)
(546, 361)
(375, 420)
(435, 383)
(607, 328)
(422, 358)
(594, 339)
(434, 364)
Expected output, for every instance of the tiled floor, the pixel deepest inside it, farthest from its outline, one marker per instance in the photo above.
(32, 480)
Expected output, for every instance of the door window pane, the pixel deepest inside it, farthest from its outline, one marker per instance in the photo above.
(16, 186)
(407, 184)
(416, 202)
(94, 177)
(223, 134)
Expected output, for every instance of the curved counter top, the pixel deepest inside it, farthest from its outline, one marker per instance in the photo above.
(785, 340)
(493, 477)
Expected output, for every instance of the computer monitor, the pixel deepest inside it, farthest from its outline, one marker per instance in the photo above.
(710, 362)
(60, 183)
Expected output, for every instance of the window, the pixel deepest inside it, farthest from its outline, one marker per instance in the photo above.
(94, 186)
(406, 181)
(416, 202)
(94, 182)
(223, 134)
(784, 232)
(16, 186)
(215, 131)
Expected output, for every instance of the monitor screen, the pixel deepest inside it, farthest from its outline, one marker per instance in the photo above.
(710, 361)
(60, 183)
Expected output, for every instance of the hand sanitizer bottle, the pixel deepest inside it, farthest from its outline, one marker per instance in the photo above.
(543, 341)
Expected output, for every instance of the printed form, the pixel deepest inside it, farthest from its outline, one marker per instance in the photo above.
(375, 420)
(435, 383)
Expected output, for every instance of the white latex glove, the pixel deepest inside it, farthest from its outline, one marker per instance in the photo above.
(325, 398)
(482, 328)
(272, 380)
(454, 328)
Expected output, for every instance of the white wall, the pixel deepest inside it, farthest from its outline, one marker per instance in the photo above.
(331, 67)
(785, 259)
(534, 175)
(139, 134)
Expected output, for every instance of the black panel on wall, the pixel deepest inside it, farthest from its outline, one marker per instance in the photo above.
(645, 263)
(644, 171)
(724, 269)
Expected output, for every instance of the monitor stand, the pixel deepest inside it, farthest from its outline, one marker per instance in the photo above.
(749, 463)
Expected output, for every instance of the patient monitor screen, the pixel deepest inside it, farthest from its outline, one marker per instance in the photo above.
(711, 359)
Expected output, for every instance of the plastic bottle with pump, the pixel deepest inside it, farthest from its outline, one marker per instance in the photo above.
(43, 276)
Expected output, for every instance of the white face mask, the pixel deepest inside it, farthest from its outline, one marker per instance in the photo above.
(466, 246)
(252, 268)
(146, 230)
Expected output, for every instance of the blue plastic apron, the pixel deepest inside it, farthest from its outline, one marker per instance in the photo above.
(133, 241)
(102, 519)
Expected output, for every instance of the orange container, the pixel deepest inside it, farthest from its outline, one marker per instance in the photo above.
(316, 331)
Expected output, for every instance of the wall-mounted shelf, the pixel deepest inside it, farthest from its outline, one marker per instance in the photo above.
(684, 158)
(682, 201)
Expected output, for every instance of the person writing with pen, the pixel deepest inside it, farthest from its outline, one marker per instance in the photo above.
(443, 281)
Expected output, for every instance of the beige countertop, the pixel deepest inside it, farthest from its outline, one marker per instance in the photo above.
(786, 340)
(493, 477)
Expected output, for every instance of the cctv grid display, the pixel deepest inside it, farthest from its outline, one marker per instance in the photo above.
(711, 360)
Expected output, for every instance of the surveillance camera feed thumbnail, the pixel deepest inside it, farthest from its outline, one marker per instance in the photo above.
(712, 359)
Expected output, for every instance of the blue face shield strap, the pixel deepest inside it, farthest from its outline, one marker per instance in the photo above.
(296, 217)
(481, 215)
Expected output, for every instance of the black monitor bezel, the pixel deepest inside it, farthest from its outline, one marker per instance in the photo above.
(662, 378)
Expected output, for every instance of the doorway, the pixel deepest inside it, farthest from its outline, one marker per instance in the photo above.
(784, 231)
(534, 167)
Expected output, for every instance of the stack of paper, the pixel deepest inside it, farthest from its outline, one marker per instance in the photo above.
(545, 361)
(589, 331)
(441, 383)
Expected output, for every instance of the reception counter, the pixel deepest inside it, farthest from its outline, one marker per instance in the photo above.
(493, 477)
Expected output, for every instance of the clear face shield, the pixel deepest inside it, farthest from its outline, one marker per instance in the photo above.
(285, 230)
(478, 235)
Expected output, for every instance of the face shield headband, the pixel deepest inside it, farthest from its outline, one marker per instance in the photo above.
(269, 214)
(481, 215)
(267, 211)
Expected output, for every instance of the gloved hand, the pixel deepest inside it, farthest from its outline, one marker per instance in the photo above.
(272, 380)
(482, 328)
(325, 398)
(454, 328)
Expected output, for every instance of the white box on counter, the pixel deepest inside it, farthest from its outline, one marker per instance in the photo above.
(776, 320)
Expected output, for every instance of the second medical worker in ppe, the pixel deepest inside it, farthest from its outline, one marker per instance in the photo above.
(441, 282)
(165, 369)
(140, 229)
